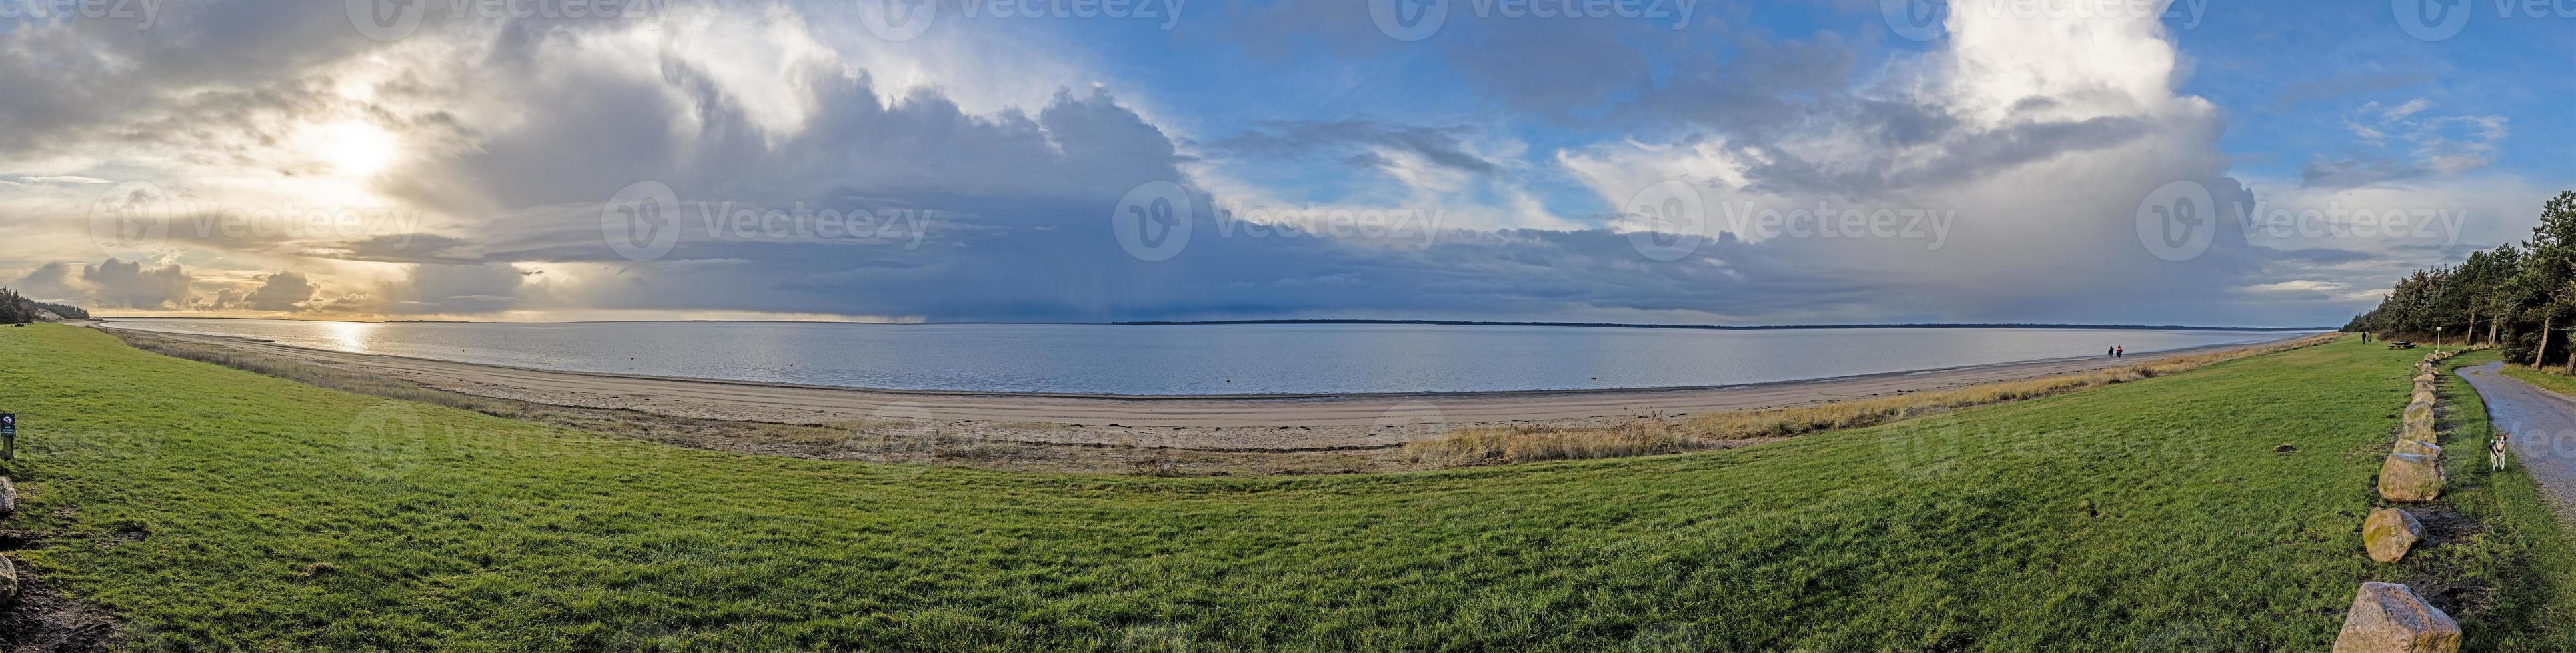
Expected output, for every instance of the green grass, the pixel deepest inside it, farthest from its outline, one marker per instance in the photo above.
(2551, 381)
(2153, 514)
(2527, 543)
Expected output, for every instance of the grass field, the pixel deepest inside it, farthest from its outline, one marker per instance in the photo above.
(2146, 515)
(2549, 380)
(2537, 577)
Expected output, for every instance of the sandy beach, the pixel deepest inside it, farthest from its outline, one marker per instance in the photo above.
(1267, 424)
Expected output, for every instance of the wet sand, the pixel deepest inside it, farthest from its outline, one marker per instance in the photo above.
(1266, 423)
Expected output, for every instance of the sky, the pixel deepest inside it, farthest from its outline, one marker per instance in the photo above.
(1666, 161)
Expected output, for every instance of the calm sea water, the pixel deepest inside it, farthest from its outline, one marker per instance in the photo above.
(1200, 359)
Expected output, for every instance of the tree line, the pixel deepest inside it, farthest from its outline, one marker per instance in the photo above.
(17, 309)
(2520, 296)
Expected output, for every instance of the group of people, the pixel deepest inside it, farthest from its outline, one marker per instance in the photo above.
(2117, 352)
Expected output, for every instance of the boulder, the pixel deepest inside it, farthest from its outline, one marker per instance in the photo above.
(8, 496)
(2389, 618)
(2419, 447)
(2422, 397)
(2427, 378)
(2389, 533)
(8, 582)
(2420, 430)
(2410, 477)
(2419, 410)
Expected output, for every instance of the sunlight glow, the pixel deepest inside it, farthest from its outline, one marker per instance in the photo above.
(353, 149)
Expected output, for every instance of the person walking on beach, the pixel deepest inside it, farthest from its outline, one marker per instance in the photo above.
(2113, 352)
(2119, 352)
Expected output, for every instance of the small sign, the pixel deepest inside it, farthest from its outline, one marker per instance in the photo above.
(8, 424)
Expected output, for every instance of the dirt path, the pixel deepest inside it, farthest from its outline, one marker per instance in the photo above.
(2543, 426)
(1256, 424)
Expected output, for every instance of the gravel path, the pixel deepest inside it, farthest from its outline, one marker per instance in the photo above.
(2543, 425)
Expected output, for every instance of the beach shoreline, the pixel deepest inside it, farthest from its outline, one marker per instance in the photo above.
(1257, 423)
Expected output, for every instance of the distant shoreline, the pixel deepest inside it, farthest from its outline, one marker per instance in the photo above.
(1238, 422)
(1764, 327)
(1611, 325)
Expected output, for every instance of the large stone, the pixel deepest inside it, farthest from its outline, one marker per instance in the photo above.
(2425, 397)
(2419, 430)
(2427, 377)
(8, 581)
(2419, 447)
(2389, 533)
(2408, 477)
(8, 496)
(2389, 618)
(2414, 410)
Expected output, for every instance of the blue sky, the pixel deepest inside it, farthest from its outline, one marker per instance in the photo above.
(1710, 162)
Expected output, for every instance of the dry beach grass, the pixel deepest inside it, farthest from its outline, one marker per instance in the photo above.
(1717, 430)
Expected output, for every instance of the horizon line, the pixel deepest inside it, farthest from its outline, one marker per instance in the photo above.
(1621, 325)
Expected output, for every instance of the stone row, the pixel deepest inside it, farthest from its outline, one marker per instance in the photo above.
(2388, 617)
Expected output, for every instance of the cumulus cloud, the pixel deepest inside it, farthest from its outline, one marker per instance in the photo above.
(113, 283)
(989, 184)
(283, 291)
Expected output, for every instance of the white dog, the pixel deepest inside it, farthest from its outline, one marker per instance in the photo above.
(2495, 452)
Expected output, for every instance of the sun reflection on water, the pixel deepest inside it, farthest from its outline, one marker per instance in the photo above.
(351, 336)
